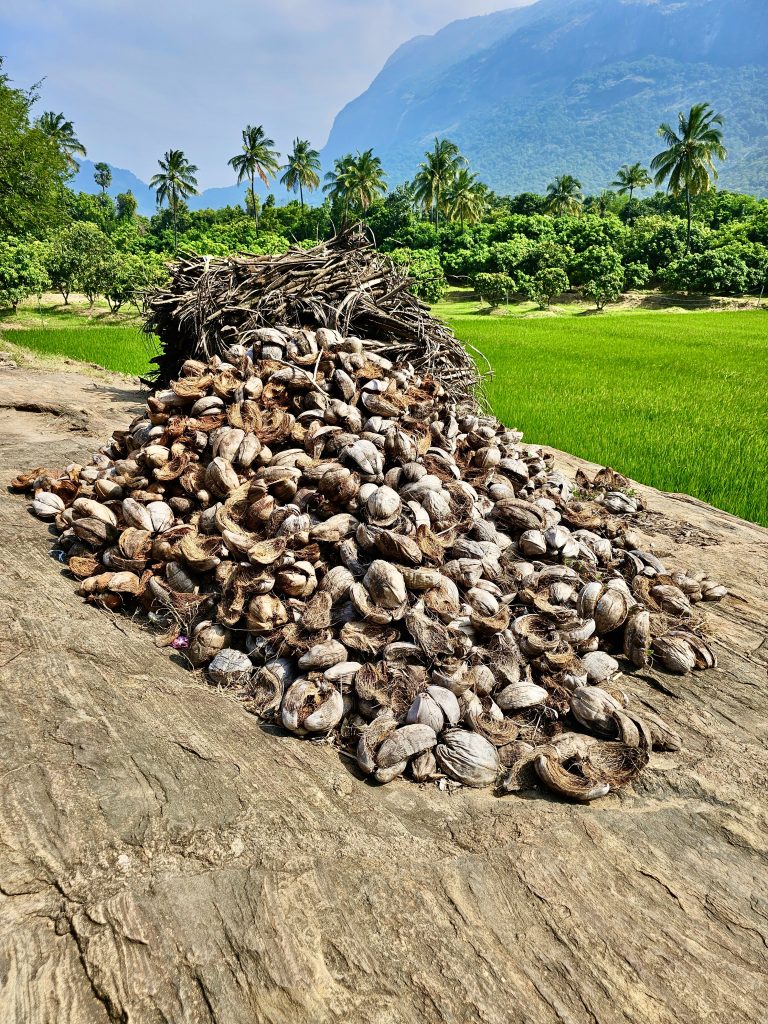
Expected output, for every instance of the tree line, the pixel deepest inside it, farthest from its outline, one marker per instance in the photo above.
(443, 225)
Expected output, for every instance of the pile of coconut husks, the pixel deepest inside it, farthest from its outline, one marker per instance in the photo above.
(332, 529)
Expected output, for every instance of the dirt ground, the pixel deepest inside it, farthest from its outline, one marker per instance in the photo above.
(164, 858)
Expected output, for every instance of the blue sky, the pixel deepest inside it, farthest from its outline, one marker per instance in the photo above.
(141, 76)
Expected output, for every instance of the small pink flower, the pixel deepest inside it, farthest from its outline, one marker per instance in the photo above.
(181, 643)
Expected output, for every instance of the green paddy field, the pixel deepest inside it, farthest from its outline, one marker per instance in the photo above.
(675, 400)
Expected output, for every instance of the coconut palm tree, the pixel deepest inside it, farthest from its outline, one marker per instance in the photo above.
(102, 175)
(436, 175)
(175, 182)
(257, 157)
(631, 177)
(687, 164)
(337, 184)
(366, 180)
(355, 182)
(465, 199)
(564, 195)
(301, 169)
(62, 133)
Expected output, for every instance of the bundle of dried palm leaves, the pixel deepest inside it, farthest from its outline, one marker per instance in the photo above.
(343, 284)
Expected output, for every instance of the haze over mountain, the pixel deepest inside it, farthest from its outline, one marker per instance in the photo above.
(560, 86)
(569, 86)
(124, 181)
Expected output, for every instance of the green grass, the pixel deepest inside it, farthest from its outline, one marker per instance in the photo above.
(675, 400)
(123, 349)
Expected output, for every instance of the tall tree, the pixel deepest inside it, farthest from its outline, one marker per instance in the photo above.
(465, 199)
(687, 164)
(62, 133)
(631, 177)
(564, 195)
(301, 171)
(175, 182)
(337, 184)
(436, 175)
(366, 180)
(355, 182)
(102, 175)
(257, 157)
(32, 171)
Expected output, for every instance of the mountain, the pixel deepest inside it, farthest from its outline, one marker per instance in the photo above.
(122, 181)
(209, 198)
(569, 86)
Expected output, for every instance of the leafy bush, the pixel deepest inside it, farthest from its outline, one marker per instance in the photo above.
(720, 271)
(605, 287)
(507, 257)
(494, 288)
(467, 262)
(596, 262)
(22, 271)
(636, 275)
(425, 270)
(79, 257)
(546, 284)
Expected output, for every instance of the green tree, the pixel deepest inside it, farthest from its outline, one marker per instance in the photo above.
(257, 157)
(22, 271)
(126, 205)
(301, 171)
(720, 271)
(436, 175)
(366, 180)
(337, 184)
(600, 271)
(631, 177)
(62, 133)
(564, 195)
(465, 198)
(124, 275)
(175, 182)
(546, 284)
(495, 289)
(78, 258)
(425, 271)
(32, 171)
(687, 164)
(102, 175)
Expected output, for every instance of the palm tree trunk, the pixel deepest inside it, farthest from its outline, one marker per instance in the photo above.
(688, 215)
(253, 205)
(301, 196)
(173, 212)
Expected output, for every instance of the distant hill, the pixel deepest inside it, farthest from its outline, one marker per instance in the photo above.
(123, 181)
(569, 86)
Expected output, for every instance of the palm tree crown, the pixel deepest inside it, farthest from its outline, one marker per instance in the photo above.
(257, 157)
(631, 177)
(564, 195)
(175, 182)
(366, 179)
(355, 181)
(436, 175)
(465, 199)
(301, 171)
(62, 133)
(687, 164)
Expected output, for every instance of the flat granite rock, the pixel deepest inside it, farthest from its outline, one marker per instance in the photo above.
(164, 858)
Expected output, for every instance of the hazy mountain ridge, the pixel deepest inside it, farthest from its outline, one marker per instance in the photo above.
(569, 85)
(210, 198)
(559, 86)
